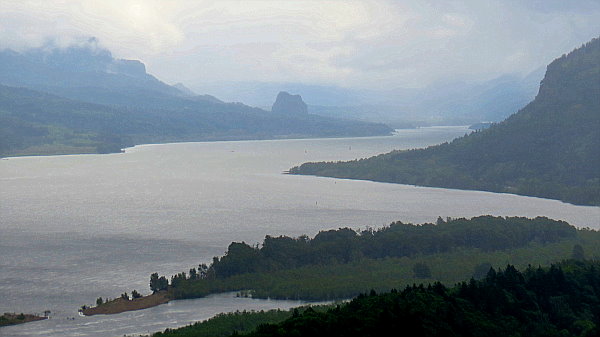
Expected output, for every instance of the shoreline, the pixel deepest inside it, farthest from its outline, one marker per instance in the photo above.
(120, 305)
(8, 318)
(87, 151)
(219, 140)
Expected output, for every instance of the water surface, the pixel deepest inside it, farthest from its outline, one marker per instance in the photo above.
(73, 228)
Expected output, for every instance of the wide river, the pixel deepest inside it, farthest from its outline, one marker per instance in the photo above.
(73, 228)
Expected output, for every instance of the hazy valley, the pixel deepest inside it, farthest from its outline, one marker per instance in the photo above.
(299, 168)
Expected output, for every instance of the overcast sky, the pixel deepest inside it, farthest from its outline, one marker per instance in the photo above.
(360, 44)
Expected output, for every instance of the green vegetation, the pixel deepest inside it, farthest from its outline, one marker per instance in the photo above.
(13, 318)
(158, 283)
(236, 322)
(563, 300)
(549, 149)
(342, 263)
(421, 270)
(82, 100)
(560, 300)
(35, 123)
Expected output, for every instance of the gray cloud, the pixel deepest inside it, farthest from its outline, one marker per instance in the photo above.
(347, 43)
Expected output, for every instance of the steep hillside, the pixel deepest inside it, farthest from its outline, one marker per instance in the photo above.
(82, 100)
(36, 123)
(551, 148)
(78, 70)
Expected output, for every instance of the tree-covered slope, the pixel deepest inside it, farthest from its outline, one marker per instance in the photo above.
(81, 99)
(33, 122)
(563, 300)
(551, 148)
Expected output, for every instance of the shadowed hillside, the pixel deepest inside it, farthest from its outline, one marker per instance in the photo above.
(550, 149)
(82, 100)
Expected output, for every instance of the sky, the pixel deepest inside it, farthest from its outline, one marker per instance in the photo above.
(352, 44)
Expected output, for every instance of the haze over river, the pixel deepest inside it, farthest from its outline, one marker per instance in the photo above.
(73, 228)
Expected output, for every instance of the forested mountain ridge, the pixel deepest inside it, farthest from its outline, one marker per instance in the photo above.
(79, 72)
(82, 100)
(550, 148)
(34, 123)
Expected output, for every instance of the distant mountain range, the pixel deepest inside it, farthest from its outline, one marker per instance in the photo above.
(82, 100)
(457, 103)
(551, 148)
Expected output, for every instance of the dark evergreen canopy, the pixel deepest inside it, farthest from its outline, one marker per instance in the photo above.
(551, 148)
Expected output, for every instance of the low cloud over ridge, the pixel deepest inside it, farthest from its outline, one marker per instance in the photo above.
(363, 44)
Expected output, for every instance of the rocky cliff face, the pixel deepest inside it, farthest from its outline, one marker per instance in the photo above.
(289, 104)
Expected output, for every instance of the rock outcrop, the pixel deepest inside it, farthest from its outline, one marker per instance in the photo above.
(289, 104)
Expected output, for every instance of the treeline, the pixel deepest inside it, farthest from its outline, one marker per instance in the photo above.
(549, 149)
(346, 280)
(281, 262)
(222, 325)
(397, 240)
(563, 300)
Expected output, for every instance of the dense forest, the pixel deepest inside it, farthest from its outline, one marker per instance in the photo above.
(560, 300)
(550, 149)
(397, 240)
(82, 100)
(224, 324)
(342, 263)
(563, 300)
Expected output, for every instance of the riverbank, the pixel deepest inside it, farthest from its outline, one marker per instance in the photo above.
(14, 318)
(316, 274)
(120, 305)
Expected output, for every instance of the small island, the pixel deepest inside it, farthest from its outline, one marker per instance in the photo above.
(124, 303)
(14, 318)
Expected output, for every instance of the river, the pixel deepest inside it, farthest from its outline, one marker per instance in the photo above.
(74, 228)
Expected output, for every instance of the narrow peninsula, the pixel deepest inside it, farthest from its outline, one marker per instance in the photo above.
(122, 304)
(14, 318)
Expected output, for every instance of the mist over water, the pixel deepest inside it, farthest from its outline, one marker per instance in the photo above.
(73, 228)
